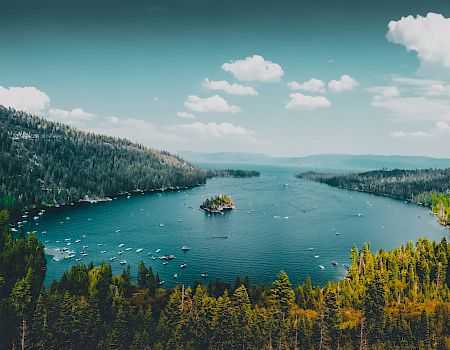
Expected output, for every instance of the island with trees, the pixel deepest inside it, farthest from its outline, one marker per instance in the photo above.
(218, 204)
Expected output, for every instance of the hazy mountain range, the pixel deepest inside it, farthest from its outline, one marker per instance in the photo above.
(322, 161)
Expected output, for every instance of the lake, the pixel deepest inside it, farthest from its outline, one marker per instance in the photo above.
(280, 222)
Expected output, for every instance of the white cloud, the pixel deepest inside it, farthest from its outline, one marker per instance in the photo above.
(75, 117)
(415, 134)
(442, 127)
(210, 104)
(232, 89)
(312, 85)
(300, 101)
(213, 130)
(156, 98)
(345, 83)
(113, 120)
(185, 115)
(254, 68)
(384, 91)
(415, 107)
(427, 36)
(28, 99)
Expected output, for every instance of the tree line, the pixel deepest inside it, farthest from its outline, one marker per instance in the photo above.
(412, 185)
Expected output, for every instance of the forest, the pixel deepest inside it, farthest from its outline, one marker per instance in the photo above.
(44, 163)
(395, 299)
(411, 185)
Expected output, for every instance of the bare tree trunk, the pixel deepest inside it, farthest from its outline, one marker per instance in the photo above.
(23, 332)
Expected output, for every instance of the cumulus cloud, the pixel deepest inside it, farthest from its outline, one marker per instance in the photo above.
(75, 117)
(214, 130)
(415, 134)
(300, 101)
(384, 91)
(442, 127)
(232, 89)
(185, 115)
(345, 83)
(312, 85)
(210, 104)
(427, 36)
(254, 68)
(28, 99)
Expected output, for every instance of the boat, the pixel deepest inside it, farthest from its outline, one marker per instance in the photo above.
(120, 252)
(78, 259)
(77, 241)
(67, 239)
(139, 250)
(99, 245)
(204, 275)
(334, 262)
(83, 236)
(103, 252)
(310, 248)
(183, 266)
(70, 256)
(127, 249)
(35, 217)
(337, 233)
(117, 231)
(161, 283)
(165, 263)
(57, 241)
(113, 258)
(161, 225)
(123, 262)
(322, 267)
(316, 256)
(68, 243)
(175, 275)
(85, 246)
(185, 248)
(359, 214)
(46, 241)
(121, 245)
(158, 250)
(55, 258)
(153, 258)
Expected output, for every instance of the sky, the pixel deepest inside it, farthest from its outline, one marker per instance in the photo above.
(285, 78)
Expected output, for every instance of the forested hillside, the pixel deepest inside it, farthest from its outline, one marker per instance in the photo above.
(47, 163)
(389, 300)
(412, 185)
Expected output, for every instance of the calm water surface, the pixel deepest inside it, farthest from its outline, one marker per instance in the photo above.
(280, 223)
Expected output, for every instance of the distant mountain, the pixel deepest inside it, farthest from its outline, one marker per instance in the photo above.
(323, 161)
(47, 163)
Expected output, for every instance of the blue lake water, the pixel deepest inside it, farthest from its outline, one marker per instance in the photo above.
(273, 228)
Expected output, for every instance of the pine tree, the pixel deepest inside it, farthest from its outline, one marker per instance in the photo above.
(142, 275)
(375, 302)
(242, 309)
(333, 317)
(224, 324)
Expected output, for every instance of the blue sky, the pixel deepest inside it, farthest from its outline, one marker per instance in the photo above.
(278, 77)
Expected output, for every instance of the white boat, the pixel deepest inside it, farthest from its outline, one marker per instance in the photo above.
(113, 258)
(127, 249)
(99, 245)
(117, 231)
(139, 250)
(316, 256)
(337, 233)
(165, 263)
(183, 266)
(58, 241)
(77, 241)
(14, 229)
(121, 245)
(175, 275)
(310, 248)
(46, 241)
(204, 275)
(161, 283)
(161, 225)
(120, 252)
(55, 258)
(68, 243)
(322, 267)
(85, 246)
(359, 214)
(123, 262)
(103, 252)
(67, 239)
(78, 259)
(35, 217)
(185, 248)
(153, 258)
(158, 250)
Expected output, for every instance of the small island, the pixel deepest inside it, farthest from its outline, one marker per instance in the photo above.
(218, 204)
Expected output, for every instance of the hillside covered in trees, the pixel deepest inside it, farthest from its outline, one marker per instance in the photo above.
(47, 163)
(390, 300)
(411, 185)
